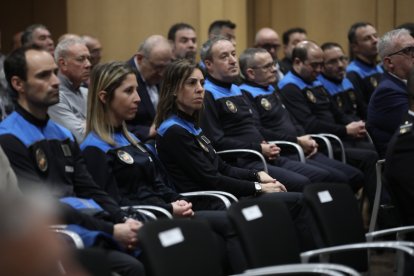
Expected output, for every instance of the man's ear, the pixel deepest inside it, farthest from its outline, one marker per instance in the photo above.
(208, 63)
(139, 57)
(250, 74)
(62, 62)
(103, 96)
(387, 62)
(17, 83)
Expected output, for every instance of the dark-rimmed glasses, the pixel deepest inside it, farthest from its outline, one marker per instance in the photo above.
(408, 51)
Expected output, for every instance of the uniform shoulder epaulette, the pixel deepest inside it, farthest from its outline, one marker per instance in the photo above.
(406, 127)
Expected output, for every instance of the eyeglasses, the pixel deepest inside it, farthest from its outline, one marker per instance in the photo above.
(266, 67)
(269, 46)
(408, 51)
(335, 61)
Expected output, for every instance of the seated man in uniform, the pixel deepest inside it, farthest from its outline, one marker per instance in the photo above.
(228, 120)
(333, 78)
(275, 122)
(363, 71)
(44, 155)
(308, 102)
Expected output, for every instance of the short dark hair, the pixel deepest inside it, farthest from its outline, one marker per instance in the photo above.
(15, 64)
(286, 34)
(409, 26)
(330, 45)
(354, 28)
(177, 27)
(206, 48)
(27, 36)
(217, 25)
(246, 58)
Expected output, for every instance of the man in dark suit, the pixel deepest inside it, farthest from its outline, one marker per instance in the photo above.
(153, 56)
(389, 102)
(399, 160)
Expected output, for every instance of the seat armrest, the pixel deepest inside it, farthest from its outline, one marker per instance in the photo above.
(297, 147)
(258, 154)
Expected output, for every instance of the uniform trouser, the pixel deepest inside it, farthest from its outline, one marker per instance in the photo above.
(124, 264)
(99, 262)
(294, 175)
(339, 171)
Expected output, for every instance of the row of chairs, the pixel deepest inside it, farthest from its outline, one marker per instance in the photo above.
(267, 235)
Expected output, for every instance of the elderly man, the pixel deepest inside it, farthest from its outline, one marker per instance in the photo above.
(40, 36)
(268, 39)
(363, 71)
(72, 57)
(153, 56)
(389, 102)
(95, 49)
(183, 39)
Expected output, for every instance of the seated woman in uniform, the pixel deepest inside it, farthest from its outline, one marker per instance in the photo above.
(116, 159)
(186, 152)
(192, 162)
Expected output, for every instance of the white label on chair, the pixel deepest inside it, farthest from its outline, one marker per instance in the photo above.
(325, 196)
(171, 237)
(252, 213)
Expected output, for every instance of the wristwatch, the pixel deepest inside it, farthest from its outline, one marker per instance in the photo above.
(258, 188)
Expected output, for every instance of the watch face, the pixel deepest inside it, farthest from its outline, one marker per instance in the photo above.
(258, 187)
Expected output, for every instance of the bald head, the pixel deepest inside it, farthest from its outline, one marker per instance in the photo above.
(307, 60)
(94, 47)
(154, 54)
(268, 39)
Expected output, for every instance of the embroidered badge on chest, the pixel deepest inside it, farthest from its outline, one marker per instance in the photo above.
(373, 81)
(231, 106)
(265, 104)
(310, 96)
(41, 160)
(125, 157)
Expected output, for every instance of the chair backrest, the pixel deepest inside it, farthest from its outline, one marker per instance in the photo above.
(179, 247)
(337, 214)
(266, 231)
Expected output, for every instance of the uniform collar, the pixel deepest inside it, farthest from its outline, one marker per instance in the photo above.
(218, 82)
(30, 118)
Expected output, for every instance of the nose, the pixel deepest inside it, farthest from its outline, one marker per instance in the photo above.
(233, 59)
(199, 87)
(137, 98)
(55, 81)
(88, 63)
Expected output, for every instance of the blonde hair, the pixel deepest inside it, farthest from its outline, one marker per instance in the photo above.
(105, 77)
